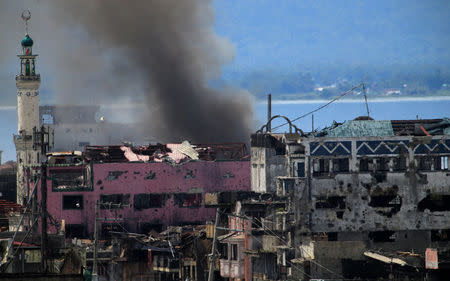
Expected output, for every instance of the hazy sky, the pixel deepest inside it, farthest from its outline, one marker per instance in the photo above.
(283, 35)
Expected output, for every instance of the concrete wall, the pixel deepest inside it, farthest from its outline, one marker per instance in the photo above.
(266, 166)
(358, 191)
(150, 178)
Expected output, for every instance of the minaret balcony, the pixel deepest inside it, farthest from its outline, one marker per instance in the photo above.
(35, 77)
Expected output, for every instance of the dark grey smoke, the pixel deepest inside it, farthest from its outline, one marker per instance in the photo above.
(171, 49)
(161, 53)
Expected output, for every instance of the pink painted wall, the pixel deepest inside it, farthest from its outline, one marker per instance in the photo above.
(189, 177)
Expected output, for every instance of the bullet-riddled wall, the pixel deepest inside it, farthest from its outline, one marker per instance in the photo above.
(159, 194)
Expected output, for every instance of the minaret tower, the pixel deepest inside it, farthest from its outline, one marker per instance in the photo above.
(27, 83)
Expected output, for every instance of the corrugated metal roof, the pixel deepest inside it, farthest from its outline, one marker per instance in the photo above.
(362, 128)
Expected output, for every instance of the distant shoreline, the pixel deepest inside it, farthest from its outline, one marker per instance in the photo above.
(359, 100)
(309, 101)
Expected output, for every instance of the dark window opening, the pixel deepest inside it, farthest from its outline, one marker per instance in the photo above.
(321, 167)
(424, 163)
(380, 177)
(188, 199)
(333, 202)
(72, 202)
(382, 164)
(146, 201)
(440, 235)
(364, 164)
(234, 252)
(147, 227)
(224, 251)
(289, 185)
(68, 179)
(75, 230)
(391, 204)
(400, 164)
(27, 68)
(364, 269)
(301, 169)
(332, 236)
(435, 203)
(340, 165)
(382, 236)
(385, 201)
(280, 150)
(114, 201)
(440, 163)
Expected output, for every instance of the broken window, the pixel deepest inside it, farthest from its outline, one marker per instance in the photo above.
(435, 203)
(69, 180)
(332, 202)
(114, 201)
(424, 163)
(75, 230)
(188, 199)
(440, 235)
(146, 201)
(444, 162)
(332, 236)
(382, 164)
(400, 164)
(389, 204)
(147, 227)
(224, 251)
(382, 236)
(300, 169)
(364, 164)
(321, 167)
(234, 252)
(340, 165)
(440, 163)
(72, 202)
(114, 175)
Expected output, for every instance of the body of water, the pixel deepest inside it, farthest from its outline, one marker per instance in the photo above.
(339, 111)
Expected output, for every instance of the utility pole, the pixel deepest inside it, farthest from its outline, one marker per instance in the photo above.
(41, 139)
(94, 264)
(269, 112)
(213, 250)
(96, 218)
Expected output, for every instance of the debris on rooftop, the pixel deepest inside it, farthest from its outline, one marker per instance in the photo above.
(384, 128)
(173, 153)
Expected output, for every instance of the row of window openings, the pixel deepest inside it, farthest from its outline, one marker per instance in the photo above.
(141, 201)
(27, 67)
(325, 165)
(234, 252)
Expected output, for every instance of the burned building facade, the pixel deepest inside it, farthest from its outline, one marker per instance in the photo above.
(141, 188)
(361, 194)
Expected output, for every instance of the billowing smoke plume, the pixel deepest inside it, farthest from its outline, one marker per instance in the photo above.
(162, 53)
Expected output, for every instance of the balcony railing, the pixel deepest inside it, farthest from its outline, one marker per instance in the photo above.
(35, 77)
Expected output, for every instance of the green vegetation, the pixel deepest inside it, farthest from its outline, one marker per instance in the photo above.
(329, 81)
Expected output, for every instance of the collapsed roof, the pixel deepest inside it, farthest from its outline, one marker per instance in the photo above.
(385, 128)
(173, 153)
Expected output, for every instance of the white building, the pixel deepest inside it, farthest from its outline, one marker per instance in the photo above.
(27, 82)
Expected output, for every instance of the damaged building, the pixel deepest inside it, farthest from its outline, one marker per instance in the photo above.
(77, 126)
(365, 198)
(143, 188)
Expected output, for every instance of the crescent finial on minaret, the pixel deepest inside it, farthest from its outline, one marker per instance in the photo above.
(26, 16)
